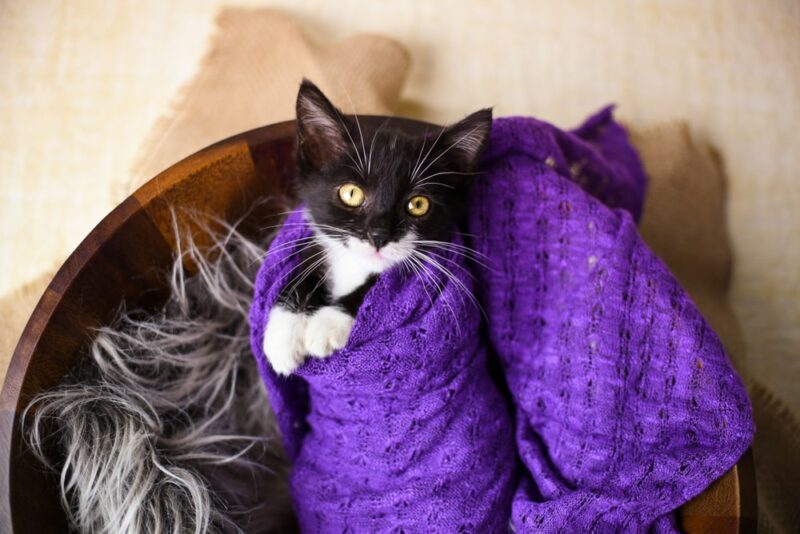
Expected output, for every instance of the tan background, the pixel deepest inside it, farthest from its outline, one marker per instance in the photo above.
(82, 82)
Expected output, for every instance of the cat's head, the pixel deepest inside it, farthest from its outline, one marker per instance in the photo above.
(380, 194)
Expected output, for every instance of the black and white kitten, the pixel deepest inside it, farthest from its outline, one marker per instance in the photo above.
(375, 200)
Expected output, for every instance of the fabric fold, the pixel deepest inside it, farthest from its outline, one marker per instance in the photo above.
(623, 404)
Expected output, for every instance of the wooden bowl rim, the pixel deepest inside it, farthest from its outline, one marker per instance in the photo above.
(135, 204)
(111, 224)
(17, 373)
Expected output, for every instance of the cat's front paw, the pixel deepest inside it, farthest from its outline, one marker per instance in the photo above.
(327, 331)
(283, 340)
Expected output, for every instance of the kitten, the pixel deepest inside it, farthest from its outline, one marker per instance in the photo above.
(374, 200)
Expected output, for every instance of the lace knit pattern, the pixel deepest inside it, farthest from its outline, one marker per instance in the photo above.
(617, 403)
(383, 446)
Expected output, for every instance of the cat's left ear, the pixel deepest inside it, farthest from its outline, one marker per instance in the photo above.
(466, 140)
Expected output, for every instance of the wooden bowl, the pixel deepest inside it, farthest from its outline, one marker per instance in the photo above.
(122, 260)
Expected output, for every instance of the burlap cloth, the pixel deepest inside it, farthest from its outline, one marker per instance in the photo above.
(249, 78)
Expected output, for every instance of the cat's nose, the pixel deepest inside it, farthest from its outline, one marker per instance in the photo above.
(378, 239)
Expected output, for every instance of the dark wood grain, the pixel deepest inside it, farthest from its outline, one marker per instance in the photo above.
(124, 260)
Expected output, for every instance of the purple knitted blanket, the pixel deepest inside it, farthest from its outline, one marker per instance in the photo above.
(592, 397)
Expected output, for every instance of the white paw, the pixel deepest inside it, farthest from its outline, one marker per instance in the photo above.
(283, 340)
(327, 331)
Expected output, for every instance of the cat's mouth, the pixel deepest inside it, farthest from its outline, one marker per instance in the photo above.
(352, 249)
(380, 259)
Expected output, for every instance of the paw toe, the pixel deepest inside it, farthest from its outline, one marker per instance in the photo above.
(283, 342)
(327, 331)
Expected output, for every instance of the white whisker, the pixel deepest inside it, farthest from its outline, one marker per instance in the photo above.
(409, 261)
(425, 179)
(445, 151)
(416, 169)
(298, 266)
(358, 125)
(440, 288)
(472, 254)
(454, 264)
(413, 172)
(459, 284)
(436, 183)
(293, 284)
(372, 143)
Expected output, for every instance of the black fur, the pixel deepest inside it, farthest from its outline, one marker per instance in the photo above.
(334, 149)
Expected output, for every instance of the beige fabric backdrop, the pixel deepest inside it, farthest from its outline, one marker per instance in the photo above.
(81, 83)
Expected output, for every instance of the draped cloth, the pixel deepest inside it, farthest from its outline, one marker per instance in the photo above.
(588, 393)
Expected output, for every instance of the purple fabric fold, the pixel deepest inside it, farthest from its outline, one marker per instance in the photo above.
(403, 430)
(617, 403)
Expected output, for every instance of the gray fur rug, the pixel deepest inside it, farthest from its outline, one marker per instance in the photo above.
(164, 426)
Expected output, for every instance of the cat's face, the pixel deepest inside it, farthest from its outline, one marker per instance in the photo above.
(380, 195)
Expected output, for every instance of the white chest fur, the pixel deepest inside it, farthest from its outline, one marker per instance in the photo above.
(347, 272)
(351, 261)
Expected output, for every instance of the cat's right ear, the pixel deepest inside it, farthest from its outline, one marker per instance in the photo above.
(321, 128)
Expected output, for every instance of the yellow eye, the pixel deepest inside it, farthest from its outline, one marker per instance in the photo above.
(351, 195)
(418, 206)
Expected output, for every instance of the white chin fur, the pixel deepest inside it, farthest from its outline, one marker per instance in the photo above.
(352, 261)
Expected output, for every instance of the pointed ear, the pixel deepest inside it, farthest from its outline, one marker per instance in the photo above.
(467, 139)
(321, 133)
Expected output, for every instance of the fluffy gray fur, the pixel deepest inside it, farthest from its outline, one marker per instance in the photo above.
(165, 427)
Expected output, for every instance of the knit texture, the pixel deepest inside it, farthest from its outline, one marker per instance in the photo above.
(614, 403)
